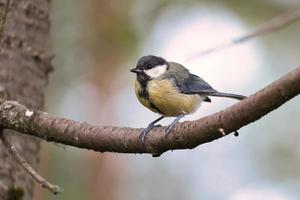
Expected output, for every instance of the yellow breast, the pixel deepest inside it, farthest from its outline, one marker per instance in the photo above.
(165, 99)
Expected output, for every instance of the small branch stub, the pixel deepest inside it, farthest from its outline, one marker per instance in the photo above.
(221, 130)
(236, 133)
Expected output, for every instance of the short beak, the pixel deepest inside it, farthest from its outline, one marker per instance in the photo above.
(135, 70)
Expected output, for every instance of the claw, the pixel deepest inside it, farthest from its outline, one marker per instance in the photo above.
(146, 131)
(169, 128)
(143, 135)
(149, 127)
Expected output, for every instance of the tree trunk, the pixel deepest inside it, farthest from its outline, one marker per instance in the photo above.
(25, 62)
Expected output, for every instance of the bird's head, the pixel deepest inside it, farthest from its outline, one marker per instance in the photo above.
(150, 67)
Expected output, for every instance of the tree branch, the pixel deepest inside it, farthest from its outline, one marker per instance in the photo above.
(21, 161)
(273, 25)
(185, 135)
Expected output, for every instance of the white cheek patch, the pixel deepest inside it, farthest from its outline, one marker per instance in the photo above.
(156, 71)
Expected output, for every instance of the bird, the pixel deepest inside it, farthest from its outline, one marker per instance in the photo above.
(169, 89)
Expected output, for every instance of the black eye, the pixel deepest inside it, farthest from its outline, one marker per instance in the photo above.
(148, 66)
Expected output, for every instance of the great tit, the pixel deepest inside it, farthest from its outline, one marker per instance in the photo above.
(169, 89)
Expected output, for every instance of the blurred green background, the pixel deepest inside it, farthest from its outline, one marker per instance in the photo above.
(96, 43)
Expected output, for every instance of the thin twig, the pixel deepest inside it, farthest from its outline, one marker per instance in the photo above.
(15, 154)
(273, 25)
(11, 148)
(3, 19)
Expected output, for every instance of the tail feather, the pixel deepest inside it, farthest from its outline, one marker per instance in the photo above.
(228, 95)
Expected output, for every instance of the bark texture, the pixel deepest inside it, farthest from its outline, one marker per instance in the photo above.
(24, 66)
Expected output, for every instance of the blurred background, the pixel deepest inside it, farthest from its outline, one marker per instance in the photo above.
(96, 43)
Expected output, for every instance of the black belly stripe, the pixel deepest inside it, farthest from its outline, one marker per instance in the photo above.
(144, 93)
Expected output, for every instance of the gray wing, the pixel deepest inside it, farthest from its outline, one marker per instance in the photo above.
(188, 83)
(195, 85)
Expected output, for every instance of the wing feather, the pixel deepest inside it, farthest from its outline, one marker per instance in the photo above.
(188, 83)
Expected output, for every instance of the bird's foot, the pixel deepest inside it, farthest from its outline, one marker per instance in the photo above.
(146, 131)
(169, 128)
(149, 127)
